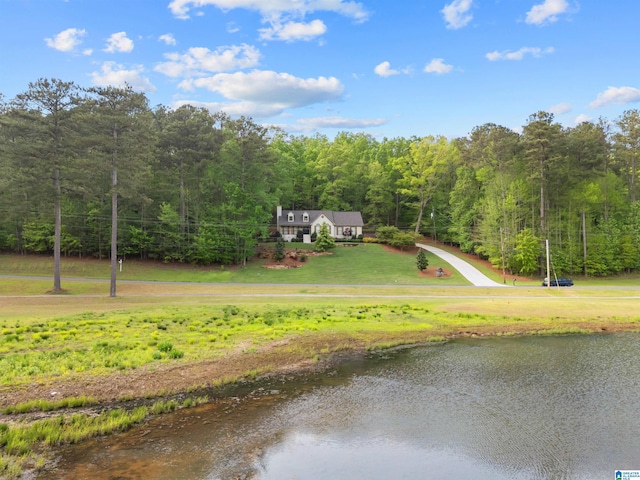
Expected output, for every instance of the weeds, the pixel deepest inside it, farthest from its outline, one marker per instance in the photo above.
(47, 406)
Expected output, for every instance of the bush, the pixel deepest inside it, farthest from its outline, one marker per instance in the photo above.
(385, 234)
(324, 242)
(403, 240)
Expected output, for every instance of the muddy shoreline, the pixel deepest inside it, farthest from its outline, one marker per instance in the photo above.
(290, 357)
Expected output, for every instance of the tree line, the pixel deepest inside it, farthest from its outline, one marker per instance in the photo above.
(98, 172)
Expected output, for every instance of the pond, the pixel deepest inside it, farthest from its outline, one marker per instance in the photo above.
(498, 408)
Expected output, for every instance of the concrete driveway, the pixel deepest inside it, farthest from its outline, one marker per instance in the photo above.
(467, 270)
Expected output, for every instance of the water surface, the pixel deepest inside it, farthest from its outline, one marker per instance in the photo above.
(499, 408)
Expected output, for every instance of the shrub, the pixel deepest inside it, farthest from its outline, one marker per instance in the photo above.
(385, 234)
(324, 242)
(403, 240)
(421, 260)
(278, 255)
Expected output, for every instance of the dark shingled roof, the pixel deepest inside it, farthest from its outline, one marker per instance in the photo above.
(340, 219)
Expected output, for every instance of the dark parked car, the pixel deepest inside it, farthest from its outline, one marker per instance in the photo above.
(559, 282)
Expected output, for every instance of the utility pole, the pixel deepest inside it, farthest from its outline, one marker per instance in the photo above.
(504, 274)
(548, 276)
(433, 217)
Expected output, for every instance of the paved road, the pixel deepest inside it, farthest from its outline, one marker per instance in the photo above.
(467, 270)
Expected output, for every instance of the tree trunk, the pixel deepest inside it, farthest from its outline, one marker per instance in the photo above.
(584, 241)
(114, 217)
(633, 176)
(423, 204)
(114, 231)
(420, 213)
(57, 287)
(542, 200)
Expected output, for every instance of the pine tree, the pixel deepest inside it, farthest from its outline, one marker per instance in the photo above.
(324, 242)
(279, 253)
(421, 260)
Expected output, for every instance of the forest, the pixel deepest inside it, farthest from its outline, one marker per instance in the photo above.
(100, 173)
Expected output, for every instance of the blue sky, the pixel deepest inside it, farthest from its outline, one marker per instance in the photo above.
(387, 68)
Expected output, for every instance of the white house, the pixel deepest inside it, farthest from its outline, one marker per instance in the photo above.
(341, 225)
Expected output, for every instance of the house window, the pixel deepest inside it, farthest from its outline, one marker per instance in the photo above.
(339, 232)
(305, 217)
(290, 217)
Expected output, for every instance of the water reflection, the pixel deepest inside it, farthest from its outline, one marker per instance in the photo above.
(559, 407)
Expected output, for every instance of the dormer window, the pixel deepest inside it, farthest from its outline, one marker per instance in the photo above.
(305, 217)
(290, 217)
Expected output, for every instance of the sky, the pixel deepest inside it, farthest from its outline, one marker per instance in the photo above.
(388, 68)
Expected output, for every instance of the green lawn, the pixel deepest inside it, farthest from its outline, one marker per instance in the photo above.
(365, 264)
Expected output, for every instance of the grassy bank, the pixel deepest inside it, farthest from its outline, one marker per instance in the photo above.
(83, 350)
(160, 348)
(112, 356)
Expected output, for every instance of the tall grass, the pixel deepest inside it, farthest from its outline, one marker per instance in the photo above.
(48, 406)
(19, 441)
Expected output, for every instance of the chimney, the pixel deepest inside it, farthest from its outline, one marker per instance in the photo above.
(278, 215)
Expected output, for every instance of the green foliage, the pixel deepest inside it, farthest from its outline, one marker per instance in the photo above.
(385, 234)
(527, 252)
(394, 237)
(403, 240)
(278, 254)
(324, 242)
(421, 260)
(138, 243)
(171, 244)
(38, 237)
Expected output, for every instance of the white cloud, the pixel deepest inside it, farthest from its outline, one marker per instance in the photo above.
(456, 13)
(271, 88)
(438, 66)
(168, 39)
(87, 52)
(547, 11)
(518, 55)
(355, 10)
(582, 118)
(616, 96)
(293, 31)
(560, 108)
(264, 93)
(237, 109)
(115, 75)
(199, 61)
(232, 27)
(384, 70)
(66, 40)
(119, 42)
(340, 122)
